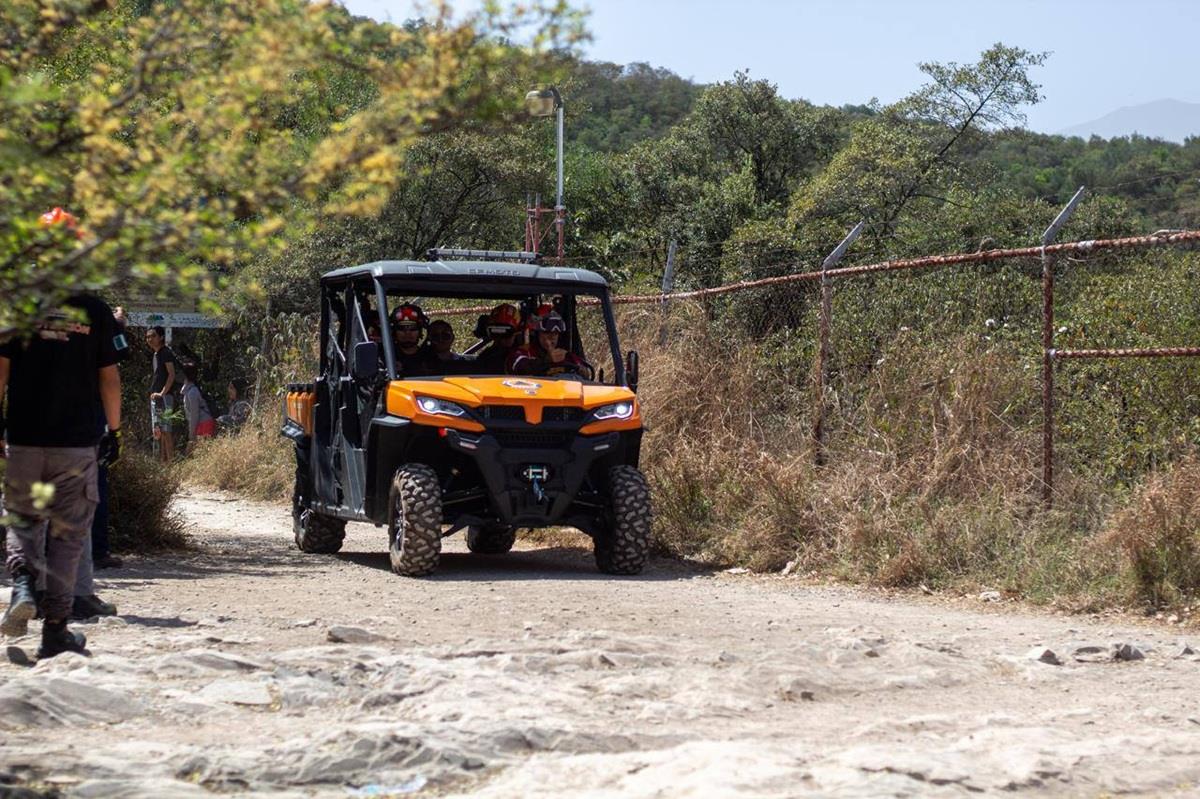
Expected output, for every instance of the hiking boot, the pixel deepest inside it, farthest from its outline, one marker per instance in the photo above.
(56, 639)
(86, 607)
(108, 562)
(21, 609)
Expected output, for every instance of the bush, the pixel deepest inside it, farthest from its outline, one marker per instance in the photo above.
(256, 461)
(141, 519)
(1159, 533)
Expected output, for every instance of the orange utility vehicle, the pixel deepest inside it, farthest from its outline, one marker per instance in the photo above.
(459, 444)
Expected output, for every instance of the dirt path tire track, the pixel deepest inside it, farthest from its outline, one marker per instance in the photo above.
(531, 674)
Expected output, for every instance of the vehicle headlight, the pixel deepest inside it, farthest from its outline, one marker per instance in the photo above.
(440, 406)
(617, 410)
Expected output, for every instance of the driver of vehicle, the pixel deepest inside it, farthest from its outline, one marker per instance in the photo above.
(408, 325)
(543, 356)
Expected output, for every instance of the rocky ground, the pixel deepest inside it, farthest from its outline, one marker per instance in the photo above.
(244, 667)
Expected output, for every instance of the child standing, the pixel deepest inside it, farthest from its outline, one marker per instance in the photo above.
(199, 418)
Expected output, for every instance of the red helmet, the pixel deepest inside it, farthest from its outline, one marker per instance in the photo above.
(409, 315)
(503, 320)
(542, 310)
(550, 322)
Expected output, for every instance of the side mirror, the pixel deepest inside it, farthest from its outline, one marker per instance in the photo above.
(631, 370)
(366, 360)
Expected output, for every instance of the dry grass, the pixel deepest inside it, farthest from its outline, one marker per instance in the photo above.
(140, 514)
(1159, 534)
(256, 462)
(931, 474)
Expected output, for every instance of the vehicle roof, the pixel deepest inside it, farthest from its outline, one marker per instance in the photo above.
(436, 271)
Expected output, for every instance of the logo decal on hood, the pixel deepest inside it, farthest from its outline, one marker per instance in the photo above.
(528, 386)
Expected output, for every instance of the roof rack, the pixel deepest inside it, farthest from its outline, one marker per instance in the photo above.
(441, 253)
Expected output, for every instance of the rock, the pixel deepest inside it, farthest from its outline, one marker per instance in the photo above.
(925, 589)
(1127, 652)
(1093, 654)
(304, 623)
(341, 634)
(1044, 655)
(1185, 650)
(1172, 619)
(991, 596)
(737, 570)
(791, 691)
(790, 568)
(237, 692)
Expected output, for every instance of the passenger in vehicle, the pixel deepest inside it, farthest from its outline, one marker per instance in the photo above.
(543, 356)
(408, 325)
(502, 325)
(439, 348)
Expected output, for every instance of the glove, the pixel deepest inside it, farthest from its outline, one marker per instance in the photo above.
(109, 451)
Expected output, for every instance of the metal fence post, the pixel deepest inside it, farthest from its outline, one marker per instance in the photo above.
(668, 285)
(1048, 348)
(822, 365)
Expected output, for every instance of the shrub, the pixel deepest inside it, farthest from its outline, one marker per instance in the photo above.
(141, 517)
(256, 461)
(1159, 533)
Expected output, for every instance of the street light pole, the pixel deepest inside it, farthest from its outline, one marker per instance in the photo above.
(560, 210)
(543, 103)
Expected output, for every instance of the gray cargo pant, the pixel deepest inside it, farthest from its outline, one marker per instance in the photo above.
(66, 518)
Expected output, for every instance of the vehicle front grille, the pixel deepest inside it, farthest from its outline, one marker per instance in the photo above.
(508, 412)
(562, 414)
(533, 439)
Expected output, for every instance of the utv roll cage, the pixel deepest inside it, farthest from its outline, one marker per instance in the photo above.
(471, 280)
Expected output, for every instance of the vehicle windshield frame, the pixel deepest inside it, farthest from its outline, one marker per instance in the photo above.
(405, 289)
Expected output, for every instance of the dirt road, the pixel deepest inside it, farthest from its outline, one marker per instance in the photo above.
(531, 675)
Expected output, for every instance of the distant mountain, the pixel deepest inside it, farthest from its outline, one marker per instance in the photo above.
(1172, 120)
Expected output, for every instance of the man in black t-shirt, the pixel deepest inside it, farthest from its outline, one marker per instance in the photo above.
(162, 386)
(52, 379)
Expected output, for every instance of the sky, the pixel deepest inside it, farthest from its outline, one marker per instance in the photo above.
(1105, 54)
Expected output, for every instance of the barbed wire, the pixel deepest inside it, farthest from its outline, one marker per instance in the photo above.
(1077, 248)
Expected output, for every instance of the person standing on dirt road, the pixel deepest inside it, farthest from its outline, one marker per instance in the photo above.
(52, 379)
(102, 556)
(162, 383)
(200, 421)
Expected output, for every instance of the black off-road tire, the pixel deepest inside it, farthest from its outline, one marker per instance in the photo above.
(415, 520)
(492, 539)
(318, 534)
(624, 547)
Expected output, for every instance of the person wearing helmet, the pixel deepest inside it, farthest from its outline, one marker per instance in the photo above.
(408, 325)
(543, 356)
(439, 348)
(501, 327)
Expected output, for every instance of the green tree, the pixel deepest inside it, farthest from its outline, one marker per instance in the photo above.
(183, 133)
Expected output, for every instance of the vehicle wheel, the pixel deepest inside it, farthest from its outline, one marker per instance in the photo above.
(624, 546)
(318, 534)
(492, 539)
(415, 523)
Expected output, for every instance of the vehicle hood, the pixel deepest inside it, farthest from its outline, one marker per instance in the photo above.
(517, 391)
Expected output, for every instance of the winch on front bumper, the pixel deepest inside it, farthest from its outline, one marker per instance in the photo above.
(533, 476)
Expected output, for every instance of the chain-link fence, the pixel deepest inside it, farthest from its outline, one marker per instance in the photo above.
(1116, 333)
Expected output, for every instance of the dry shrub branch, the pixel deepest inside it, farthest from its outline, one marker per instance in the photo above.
(256, 461)
(140, 514)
